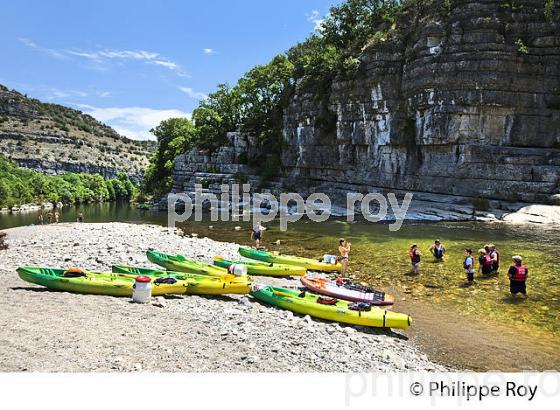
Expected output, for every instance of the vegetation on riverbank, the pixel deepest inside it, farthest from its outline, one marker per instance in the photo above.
(21, 186)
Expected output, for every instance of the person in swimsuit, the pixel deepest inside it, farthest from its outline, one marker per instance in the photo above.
(256, 235)
(438, 250)
(344, 249)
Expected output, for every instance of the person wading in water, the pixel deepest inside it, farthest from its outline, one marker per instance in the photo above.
(256, 234)
(438, 250)
(518, 274)
(344, 249)
(468, 265)
(414, 255)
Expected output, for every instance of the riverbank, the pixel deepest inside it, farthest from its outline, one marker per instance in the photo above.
(53, 331)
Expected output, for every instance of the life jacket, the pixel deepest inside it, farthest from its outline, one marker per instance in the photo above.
(438, 252)
(414, 257)
(487, 261)
(520, 274)
(469, 261)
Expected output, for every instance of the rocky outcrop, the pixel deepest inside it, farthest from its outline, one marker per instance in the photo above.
(54, 139)
(464, 102)
(451, 106)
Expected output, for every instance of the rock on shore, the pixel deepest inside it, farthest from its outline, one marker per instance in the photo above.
(54, 331)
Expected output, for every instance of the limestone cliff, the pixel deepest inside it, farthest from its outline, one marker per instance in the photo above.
(464, 102)
(54, 139)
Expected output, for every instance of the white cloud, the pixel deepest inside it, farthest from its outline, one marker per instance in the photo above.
(50, 51)
(104, 94)
(197, 95)
(101, 57)
(132, 122)
(315, 18)
(51, 93)
(208, 51)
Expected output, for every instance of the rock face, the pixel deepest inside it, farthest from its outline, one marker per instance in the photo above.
(465, 102)
(54, 139)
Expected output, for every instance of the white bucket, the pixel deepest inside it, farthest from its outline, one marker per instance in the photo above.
(142, 290)
(329, 259)
(238, 269)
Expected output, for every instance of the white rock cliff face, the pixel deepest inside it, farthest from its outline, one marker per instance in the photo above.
(449, 108)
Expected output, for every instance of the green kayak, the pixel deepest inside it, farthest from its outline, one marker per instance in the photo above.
(263, 268)
(329, 309)
(179, 263)
(309, 264)
(198, 284)
(96, 283)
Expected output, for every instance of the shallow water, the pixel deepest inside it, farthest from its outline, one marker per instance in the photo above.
(380, 257)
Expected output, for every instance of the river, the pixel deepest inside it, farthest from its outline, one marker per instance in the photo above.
(380, 257)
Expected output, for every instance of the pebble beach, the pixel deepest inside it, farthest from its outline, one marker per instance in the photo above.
(46, 331)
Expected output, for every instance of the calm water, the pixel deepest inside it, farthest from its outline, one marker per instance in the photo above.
(380, 257)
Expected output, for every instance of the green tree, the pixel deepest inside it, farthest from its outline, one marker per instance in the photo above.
(174, 136)
(261, 93)
(351, 24)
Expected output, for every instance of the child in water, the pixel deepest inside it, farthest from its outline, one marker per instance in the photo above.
(414, 255)
(468, 265)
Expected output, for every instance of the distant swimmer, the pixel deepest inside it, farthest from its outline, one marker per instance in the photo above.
(437, 250)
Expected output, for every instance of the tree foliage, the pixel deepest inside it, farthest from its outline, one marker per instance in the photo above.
(174, 136)
(20, 186)
(256, 103)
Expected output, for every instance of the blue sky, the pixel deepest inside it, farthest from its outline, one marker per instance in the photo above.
(132, 64)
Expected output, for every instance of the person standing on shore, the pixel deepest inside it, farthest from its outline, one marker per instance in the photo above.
(49, 217)
(468, 265)
(438, 250)
(344, 249)
(518, 274)
(56, 217)
(40, 220)
(414, 255)
(80, 217)
(256, 234)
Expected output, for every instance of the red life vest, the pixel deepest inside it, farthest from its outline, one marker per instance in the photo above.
(488, 260)
(520, 274)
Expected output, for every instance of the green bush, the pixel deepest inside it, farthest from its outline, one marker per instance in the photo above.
(521, 47)
(19, 186)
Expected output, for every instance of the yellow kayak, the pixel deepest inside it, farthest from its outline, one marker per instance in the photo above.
(307, 263)
(330, 309)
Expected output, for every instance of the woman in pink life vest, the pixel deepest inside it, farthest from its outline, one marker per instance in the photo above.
(484, 262)
(414, 255)
(518, 274)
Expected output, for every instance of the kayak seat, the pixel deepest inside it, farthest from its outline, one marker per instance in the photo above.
(73, 273)
(327, 301)
(165, 281)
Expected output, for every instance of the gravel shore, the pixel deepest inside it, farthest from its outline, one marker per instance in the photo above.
(55, 331)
